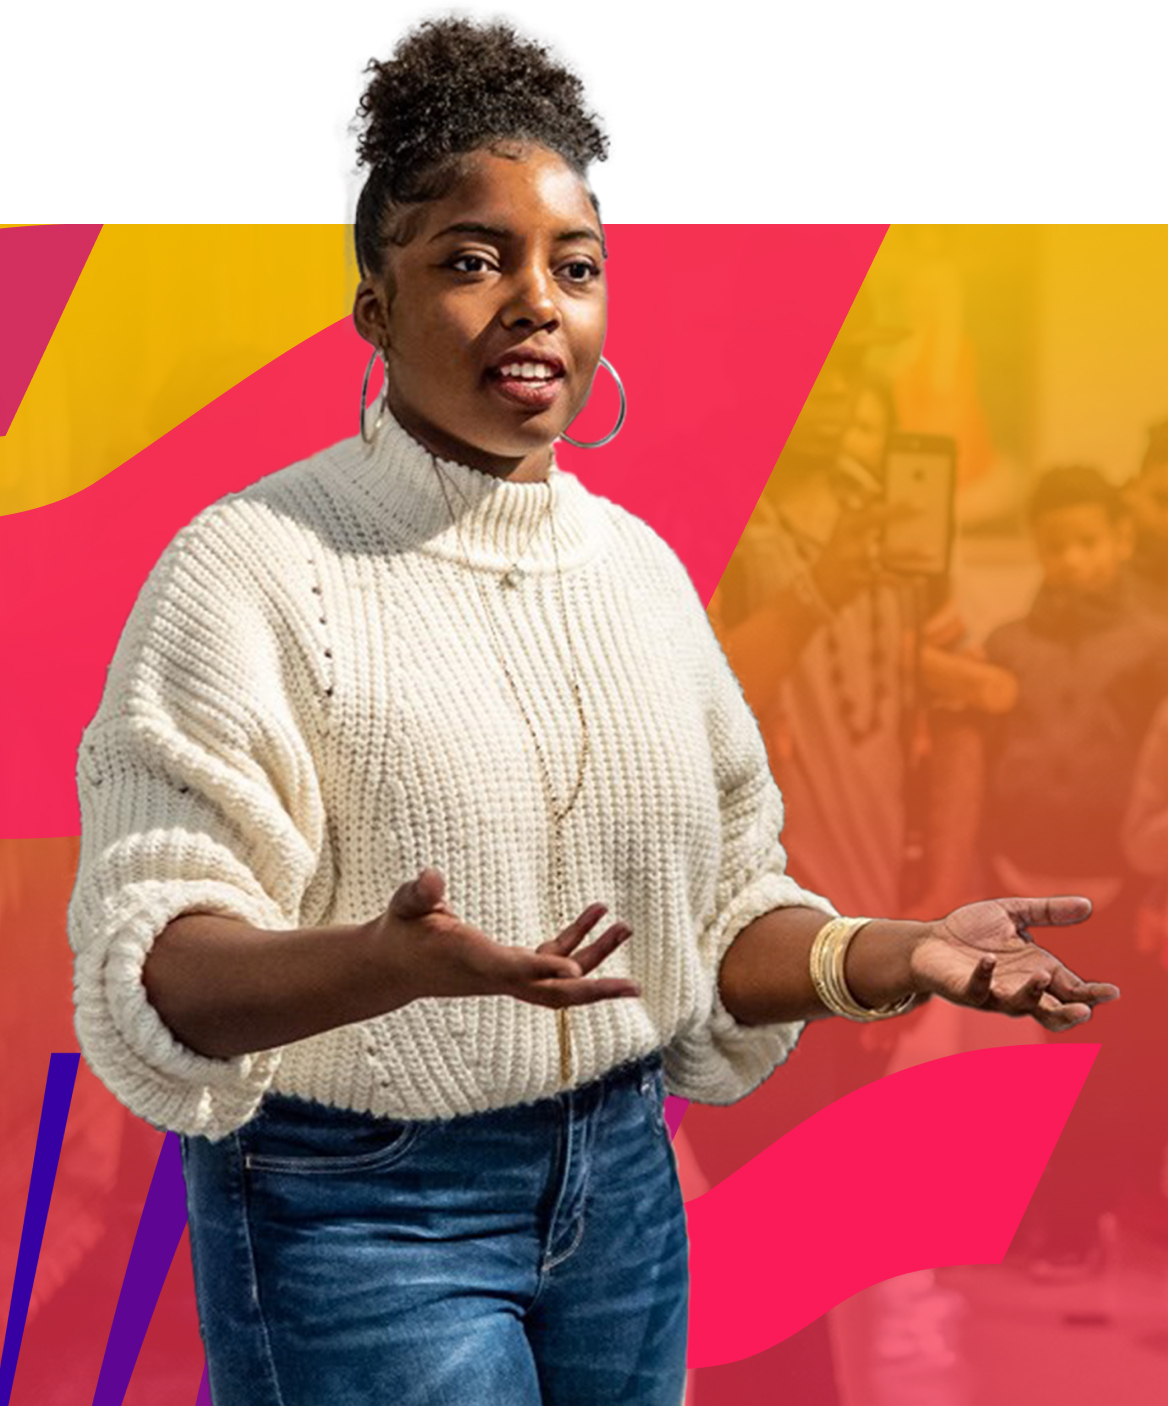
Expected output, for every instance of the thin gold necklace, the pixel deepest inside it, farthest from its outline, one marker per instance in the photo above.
(558, 813)
(514, 573)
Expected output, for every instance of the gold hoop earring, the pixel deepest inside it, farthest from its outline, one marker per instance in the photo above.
(620, 419)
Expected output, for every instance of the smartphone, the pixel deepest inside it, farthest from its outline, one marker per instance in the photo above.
(921, 472)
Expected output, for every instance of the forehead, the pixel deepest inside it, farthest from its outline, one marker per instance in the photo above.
(519, 188)
(1078, 519)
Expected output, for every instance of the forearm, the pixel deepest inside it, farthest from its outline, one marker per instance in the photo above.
(956, 784)
(765, 975)
(764, 647)
(225, 988)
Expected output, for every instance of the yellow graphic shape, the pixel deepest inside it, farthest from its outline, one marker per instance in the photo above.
(164, 319)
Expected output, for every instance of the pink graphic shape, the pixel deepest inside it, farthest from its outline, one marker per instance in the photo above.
(39, 268)
(692, 459)
(932, 1166)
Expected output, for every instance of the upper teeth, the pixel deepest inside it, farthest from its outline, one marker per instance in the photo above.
(531, 370)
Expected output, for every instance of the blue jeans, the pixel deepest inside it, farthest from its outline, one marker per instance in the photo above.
(532, 1254)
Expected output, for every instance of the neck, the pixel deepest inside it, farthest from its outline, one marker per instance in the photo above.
(528, 468)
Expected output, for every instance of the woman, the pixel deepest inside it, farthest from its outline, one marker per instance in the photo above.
(435, 653)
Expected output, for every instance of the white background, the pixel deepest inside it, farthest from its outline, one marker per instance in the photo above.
(910, 110)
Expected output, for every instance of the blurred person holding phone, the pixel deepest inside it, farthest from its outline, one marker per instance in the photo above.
(845, 645)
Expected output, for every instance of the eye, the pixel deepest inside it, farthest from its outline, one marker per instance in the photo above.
(581, 270)
(479, 259)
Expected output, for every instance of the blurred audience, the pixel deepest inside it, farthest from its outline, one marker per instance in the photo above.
(1092, 667)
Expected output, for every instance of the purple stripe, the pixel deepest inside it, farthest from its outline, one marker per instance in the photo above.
(58, 1096)
(204, 1396)
(160, 1228)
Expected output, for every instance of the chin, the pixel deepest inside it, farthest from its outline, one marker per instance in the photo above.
(518, 438)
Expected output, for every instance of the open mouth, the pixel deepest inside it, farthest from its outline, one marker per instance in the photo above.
(527, 382)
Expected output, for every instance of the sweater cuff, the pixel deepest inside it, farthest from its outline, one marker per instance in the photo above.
(770, 892)
(125, 1040)
(724, 1060)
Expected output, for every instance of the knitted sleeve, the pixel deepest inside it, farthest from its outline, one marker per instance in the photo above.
(721, 1060)
(197, 790)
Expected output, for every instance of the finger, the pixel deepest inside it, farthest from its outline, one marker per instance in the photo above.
(584, 992)
(1056, 911)
(1028, 998)
(1058, 1015)
(977, 991)
(576, 931)
(1068, 987)
(523, 967)
(419, 895)
(877, 514)
(590, 957)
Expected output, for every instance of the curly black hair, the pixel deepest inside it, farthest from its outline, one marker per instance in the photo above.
(1071, 486)
(451, 87)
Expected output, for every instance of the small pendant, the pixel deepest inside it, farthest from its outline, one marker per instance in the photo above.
(513, 576)
(565, 1033)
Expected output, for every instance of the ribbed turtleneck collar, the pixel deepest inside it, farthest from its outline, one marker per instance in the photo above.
(499, 522)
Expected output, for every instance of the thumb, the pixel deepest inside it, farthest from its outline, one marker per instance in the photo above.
(1056, 911)
(420, 895)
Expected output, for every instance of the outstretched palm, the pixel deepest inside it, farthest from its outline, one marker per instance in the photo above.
(437, 953)
(983, 955)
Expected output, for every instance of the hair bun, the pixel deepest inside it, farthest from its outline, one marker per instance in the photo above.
(451, 86)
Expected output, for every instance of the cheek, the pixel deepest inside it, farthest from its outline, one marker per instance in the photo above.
(436, 347)
(586, 321)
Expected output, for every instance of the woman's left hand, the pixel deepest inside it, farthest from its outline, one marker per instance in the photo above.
(982, 955)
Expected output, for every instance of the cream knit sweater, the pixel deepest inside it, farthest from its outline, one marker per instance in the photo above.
(306, 706)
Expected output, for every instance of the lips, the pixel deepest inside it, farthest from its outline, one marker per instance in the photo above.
(526, 356)
(533, 389)
(535, 394)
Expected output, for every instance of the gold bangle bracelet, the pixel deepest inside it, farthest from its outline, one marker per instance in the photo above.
(828, 951)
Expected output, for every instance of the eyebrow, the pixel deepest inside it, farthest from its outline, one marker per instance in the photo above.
(495, 232)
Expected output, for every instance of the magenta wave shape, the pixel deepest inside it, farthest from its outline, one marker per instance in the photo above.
(930, 1167)
(715, 380)
(39, 268)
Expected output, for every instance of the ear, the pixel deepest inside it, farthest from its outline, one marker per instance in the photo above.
(369, 315)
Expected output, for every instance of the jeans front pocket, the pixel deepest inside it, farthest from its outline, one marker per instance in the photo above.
(653, 1089)
(291, 1135)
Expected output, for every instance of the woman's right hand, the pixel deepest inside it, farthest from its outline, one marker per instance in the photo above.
(434, 953)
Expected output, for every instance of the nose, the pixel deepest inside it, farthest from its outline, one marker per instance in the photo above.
(532, 300)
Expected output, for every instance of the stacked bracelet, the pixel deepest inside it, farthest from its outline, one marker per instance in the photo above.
(827, 973)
